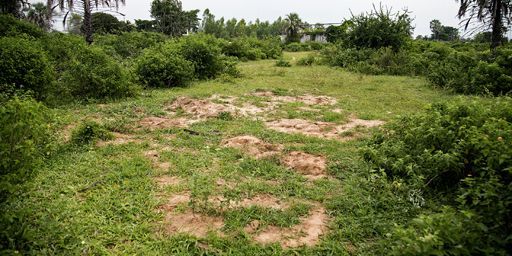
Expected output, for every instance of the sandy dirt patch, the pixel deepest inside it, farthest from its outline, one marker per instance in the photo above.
(325, 130)
(169, 181)
(215, 105)
(307, 233)
(253, 146)
(311, 166)
(310, 100)
(155, 123)
(119, 139)
(263, 201)
(195, 224)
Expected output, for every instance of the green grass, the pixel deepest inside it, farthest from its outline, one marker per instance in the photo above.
(103, 200)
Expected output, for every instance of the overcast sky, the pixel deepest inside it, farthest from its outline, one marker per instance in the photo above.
(312, 11)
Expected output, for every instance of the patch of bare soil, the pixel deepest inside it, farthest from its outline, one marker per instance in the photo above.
(320, 129)
(307, 233)
(307, 99)
(310, 128)
(154, 156)
(253, 146)
(263, 201)
(119, 139)
(311, 166)
(167, 181)
(199, 108)
(207, 108)
(196, 224)
(155, 123)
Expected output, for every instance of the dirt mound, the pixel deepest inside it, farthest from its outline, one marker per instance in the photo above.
(154, 123)
(263, 201)
(119, 139)
(200, 108)
(195, 224)
(166, 181)
(198, 225)
(313, 167)
(307, 99)
(307, 233)
(310, 128)
(320, 129)
(253, 146)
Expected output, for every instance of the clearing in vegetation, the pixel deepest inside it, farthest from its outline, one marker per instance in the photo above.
(266, 164)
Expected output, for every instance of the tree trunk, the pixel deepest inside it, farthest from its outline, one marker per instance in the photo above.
(497, 25)
(88, 22)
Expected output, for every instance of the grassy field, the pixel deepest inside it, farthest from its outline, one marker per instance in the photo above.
(126, 195)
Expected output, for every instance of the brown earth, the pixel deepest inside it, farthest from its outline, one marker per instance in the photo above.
(253, 146)
(307, 99)
(320, 129)
(119, 139)
(311, 166)
(307, 233)
(155, 123)
(166, 181)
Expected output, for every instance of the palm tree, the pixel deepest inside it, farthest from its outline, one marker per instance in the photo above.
(493, 13)
(294, 25)
(37, 14)
(86, 8)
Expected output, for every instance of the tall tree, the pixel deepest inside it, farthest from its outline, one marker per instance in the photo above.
(37, 13)
(13, 7)
(294, 25)
(436, 27)
(496, 14)
(172, 19)
(86, 8)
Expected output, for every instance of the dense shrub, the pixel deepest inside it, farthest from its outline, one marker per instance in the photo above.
(283, 63)
(241, 49)
(164, 66)
(11, 26)
(129, 44)
(471, 73)
(89, 132)
(92, 74)
(24, 66)
(104, 23)
(250, 48)
(297, 47)
(460, 154)
(307, 61)
(379, 28)
(449, 232)
(205, 54)
(24, 140)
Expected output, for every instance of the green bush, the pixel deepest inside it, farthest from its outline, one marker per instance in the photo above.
(164, 66)
(470, 72)
(92, 74)
(449, 232)
(205, 54)
(460, 154)
(315, 46)
(24, 140)
(250, 48)
(129, 44)
(89, 132)
(283, 63)
(10, 26)
(379, 29)
(24, 66)
(297, 47)
(307, 61)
